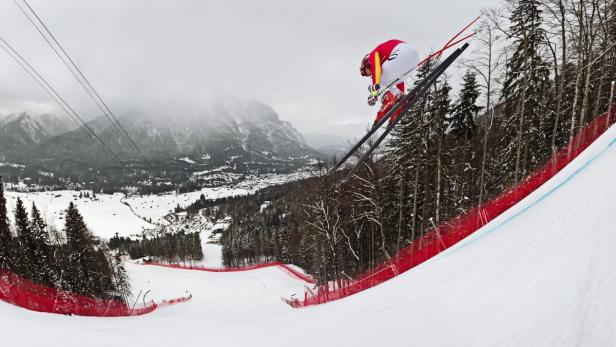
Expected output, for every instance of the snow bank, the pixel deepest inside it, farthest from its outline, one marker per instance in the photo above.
(26, 294)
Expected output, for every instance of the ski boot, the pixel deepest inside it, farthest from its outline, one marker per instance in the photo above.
(387, 102)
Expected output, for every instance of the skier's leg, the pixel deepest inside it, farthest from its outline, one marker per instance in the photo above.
(399, 87)
(387, 102)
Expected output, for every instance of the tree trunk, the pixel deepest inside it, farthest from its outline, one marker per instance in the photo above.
(439, 165)
(575, 102)
(415, 191)
(401, 211)
(563, 74)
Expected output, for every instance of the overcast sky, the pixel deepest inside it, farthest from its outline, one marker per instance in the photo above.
(300, 57)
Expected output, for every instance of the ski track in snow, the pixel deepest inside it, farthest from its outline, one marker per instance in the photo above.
(541, 274)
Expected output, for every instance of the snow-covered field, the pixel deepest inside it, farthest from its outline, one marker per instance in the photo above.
(157, 206)
(104, 216)
(109, 214)
(542, 274)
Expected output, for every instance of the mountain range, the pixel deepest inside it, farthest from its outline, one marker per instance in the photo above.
(21, 131)
(216, 132)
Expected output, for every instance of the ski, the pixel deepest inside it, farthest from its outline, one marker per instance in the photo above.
(411, 95)
(452, 42)
(419, 91)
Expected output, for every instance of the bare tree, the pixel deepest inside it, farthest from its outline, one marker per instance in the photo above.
(326, 221)
(486, 62)
(558, 21)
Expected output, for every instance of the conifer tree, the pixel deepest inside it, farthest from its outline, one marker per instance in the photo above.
(462, 121)
(197, 248)
(42, 254)
(402, 143)
(25, 256)
(80, 253)
(6, 239)
(120, 277)
(524, 90)
(115, 283)
(407, 149)
(441, 109)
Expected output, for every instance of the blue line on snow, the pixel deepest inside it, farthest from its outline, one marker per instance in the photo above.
(488, 231)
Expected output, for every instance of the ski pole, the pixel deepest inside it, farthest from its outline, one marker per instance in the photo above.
(461, 31)
(448, 45)
(412, 94)
(411, 103)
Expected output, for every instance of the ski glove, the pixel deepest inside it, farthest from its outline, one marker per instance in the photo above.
(374, 90)
(374, 94)
(372, 100)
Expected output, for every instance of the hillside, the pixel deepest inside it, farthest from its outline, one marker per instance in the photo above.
(537, 275)
(212, 133)
(20, 132)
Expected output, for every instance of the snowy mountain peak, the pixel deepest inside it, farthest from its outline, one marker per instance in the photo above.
(19, 131)
(223, 130)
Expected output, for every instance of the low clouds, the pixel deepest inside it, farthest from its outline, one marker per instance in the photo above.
(301, 57)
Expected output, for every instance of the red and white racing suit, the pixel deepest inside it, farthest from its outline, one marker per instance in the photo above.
(389, 61)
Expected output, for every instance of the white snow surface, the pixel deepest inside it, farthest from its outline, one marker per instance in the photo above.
(109, 214)
(158, 206)
(188, 160)
(542, 274)
(104, 216)
(205, 172)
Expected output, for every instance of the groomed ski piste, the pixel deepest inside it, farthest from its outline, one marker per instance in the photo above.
(540, 274)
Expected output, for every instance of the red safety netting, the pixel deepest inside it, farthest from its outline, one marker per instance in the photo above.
(29, 295)
(458, 228)
(172, 302)
(285, 267)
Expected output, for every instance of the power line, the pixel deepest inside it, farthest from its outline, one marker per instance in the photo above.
(54, 95)
(78, 74)
(91, 90)
(47, 91)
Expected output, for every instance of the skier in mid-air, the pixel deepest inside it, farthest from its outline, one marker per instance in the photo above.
(388, 65)
(387, 62)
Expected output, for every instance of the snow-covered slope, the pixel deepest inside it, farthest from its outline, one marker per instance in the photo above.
(541, 274)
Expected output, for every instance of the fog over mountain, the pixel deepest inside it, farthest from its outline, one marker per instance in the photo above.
(299, 57)
(220, 130)
(21, 131)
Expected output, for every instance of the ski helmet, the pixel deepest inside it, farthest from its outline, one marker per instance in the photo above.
(365, 65)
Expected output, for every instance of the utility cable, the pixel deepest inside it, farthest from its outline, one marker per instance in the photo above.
(54, 95)
(78, 74)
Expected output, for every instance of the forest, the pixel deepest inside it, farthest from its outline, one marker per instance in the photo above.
(71, 259)
(539, 71)
(169, 247)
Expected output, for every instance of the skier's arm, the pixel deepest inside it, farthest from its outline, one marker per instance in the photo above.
(375, 64)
